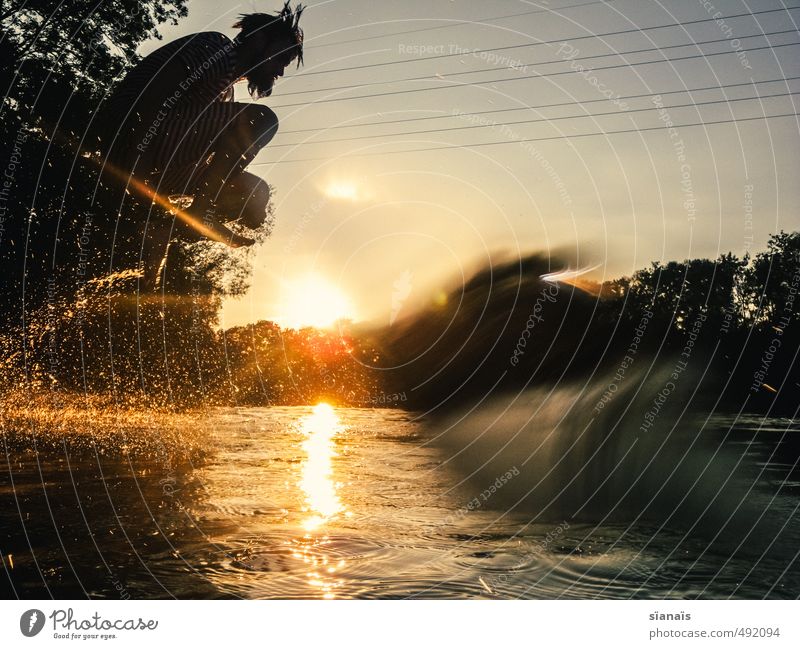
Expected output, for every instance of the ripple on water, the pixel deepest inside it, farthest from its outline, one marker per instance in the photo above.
(391, 524)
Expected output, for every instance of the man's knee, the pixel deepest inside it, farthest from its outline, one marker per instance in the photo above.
(262, 123)
(249, 185)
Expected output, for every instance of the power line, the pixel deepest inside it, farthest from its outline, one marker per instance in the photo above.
(428, 77)
(540, 139)
(458, 24)
(535, 76)
(551, 42)
(534, 121)
(541, 106)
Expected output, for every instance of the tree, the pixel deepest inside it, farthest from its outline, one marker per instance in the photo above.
(67, 235)
(58, 61)
(772, 280)
(61, 58)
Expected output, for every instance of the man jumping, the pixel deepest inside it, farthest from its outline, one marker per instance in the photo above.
(172, 123)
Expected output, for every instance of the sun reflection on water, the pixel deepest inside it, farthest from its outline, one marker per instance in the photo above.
(322, 501)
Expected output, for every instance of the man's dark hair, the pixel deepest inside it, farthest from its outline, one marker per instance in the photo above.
(284, 24)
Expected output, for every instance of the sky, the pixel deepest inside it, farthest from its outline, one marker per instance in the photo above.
(369, 227)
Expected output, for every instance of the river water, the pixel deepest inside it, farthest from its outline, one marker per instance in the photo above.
(322, 502)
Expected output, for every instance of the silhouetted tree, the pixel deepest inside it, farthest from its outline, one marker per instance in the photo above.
(770, 278)
(69, 238)
(60, 58)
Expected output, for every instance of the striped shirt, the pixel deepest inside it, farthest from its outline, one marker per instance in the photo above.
(174, 129)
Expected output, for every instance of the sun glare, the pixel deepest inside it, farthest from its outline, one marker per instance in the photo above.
(342, 190)
(313, 302)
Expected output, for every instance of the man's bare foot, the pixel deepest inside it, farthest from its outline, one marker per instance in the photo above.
(228, 236)
(205, 222)
(238, 241)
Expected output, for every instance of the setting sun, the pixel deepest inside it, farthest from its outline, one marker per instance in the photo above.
(312, 301)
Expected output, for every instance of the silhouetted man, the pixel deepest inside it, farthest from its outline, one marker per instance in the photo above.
(172, 123)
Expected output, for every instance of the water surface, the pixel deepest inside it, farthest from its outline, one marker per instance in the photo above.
(317, 502)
